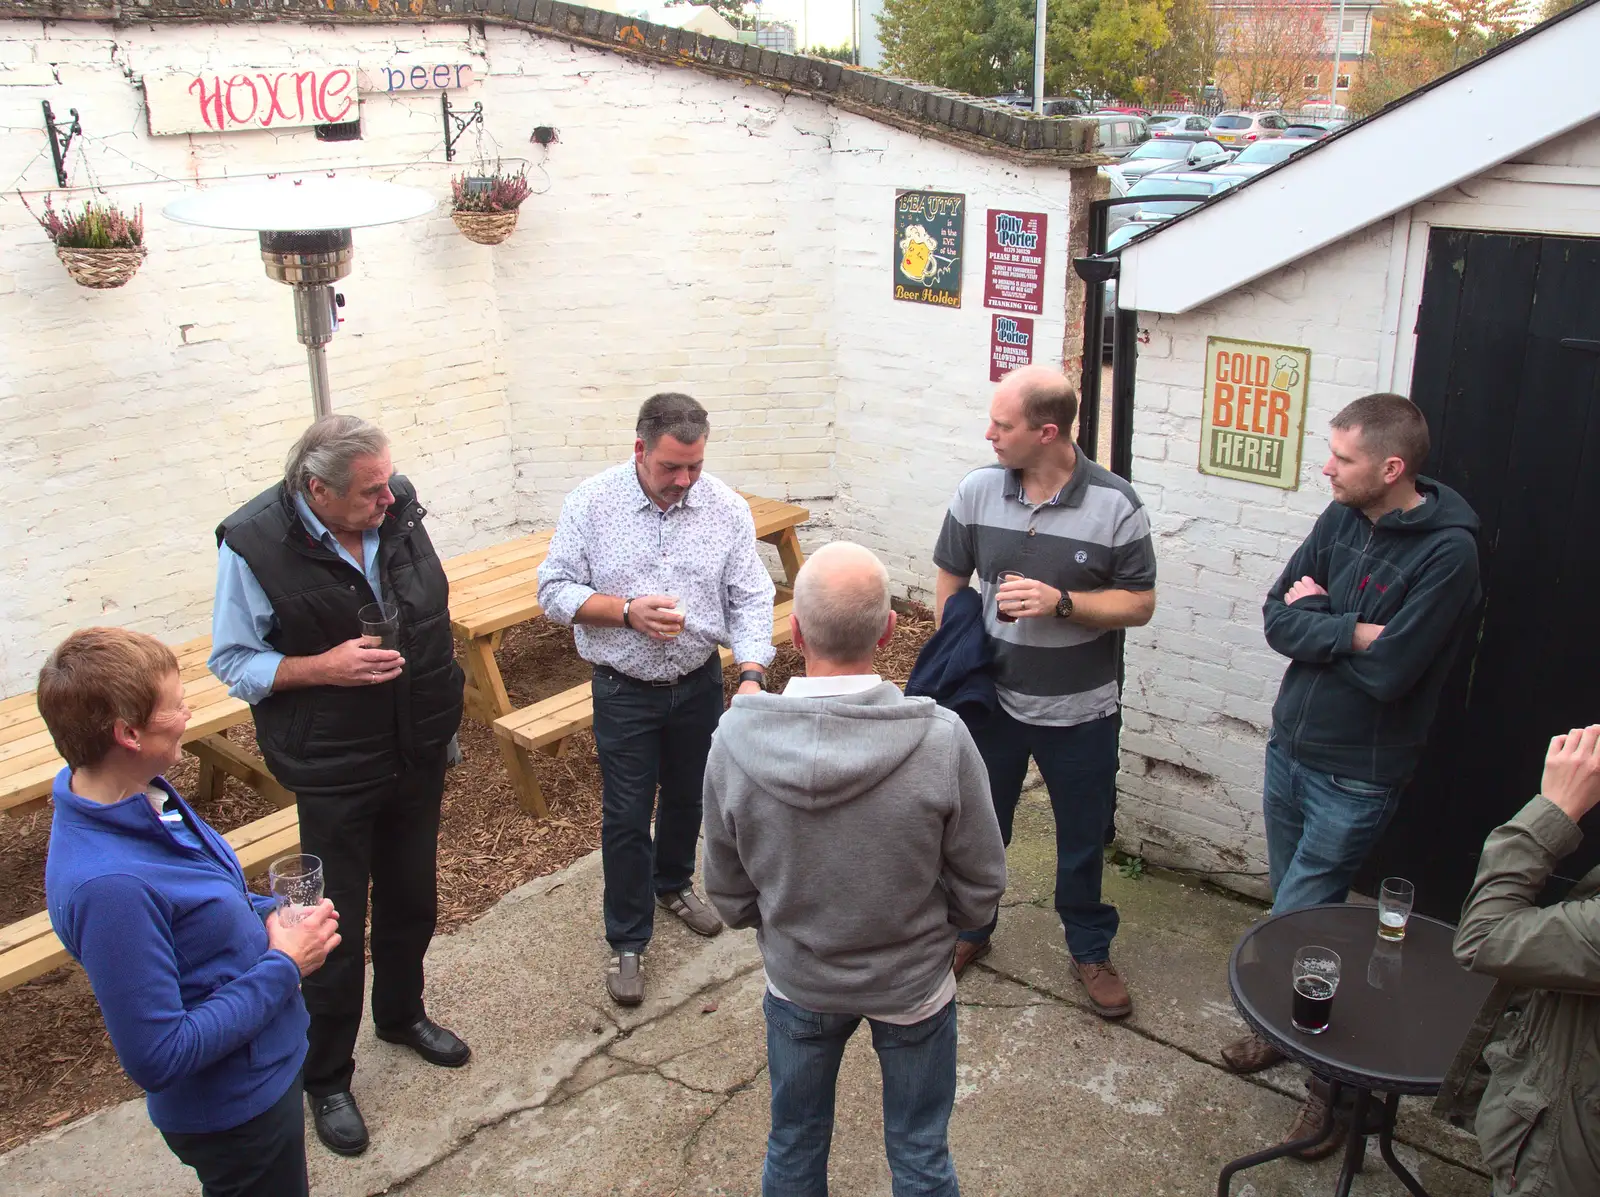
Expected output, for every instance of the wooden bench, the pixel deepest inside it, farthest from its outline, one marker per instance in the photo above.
(29, 762)
(545, 726)
(29, 948)
(494, 588)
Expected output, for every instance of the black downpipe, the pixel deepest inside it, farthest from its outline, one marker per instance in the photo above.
(1124, 359)
(1094, 307)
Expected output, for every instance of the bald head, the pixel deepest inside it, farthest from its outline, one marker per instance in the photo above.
(1042, 395)
(841, 604)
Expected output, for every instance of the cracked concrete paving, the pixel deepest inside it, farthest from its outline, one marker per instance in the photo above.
(568, 1095)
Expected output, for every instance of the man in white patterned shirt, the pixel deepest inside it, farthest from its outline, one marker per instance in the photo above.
(655, 565)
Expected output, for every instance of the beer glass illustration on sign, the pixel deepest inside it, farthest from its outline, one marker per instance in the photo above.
(917, 261)
(1285, 373)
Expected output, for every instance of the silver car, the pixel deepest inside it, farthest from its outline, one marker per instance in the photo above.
(1177, 185)
(1254, 159)
(1168, 153)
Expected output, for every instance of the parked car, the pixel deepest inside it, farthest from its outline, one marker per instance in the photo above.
(1113, 176)
(1120, 133)
(1130, 109)
(1238, 129)
(1254, 159)
(1168, 153)
(1175, 183)
(1185, 126)
(1304, 130)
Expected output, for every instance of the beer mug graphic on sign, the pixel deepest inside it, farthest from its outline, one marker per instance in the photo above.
(1285, 373)
(916, 255)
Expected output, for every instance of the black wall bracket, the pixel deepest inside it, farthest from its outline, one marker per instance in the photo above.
(61, 136)
(461, 123)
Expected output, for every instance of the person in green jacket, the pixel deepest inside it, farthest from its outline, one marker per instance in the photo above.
(1531, 1066)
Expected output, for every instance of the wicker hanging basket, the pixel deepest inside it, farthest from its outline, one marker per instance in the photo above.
(486, 228)
(101, 269)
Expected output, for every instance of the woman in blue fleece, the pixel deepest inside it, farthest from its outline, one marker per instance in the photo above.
(198, 982)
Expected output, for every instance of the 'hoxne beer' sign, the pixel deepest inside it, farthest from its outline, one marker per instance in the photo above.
(1255, 411)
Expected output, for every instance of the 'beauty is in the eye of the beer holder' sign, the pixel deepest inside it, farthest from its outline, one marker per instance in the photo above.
(1255, 411)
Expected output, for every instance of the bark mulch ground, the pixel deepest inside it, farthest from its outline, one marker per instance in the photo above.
(59, 1061)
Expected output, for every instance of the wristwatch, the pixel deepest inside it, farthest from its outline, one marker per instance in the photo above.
(1064, 606)
(753, 675)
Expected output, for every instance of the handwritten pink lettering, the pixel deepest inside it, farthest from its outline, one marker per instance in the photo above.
(210, 103)
(335, 83)
(275, 106)
(237, 82)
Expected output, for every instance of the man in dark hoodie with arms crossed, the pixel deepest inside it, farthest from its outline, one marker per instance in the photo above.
(1369, 611)
(853, 827)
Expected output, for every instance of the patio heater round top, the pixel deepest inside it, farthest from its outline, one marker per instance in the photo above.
(302, 205)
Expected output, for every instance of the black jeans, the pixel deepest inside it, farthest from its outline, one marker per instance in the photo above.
(388, 834)
(263, 1157)
(1079, 766)
(649, 735)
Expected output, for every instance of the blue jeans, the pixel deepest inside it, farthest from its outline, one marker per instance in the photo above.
(1319, 829)
(1079, 766)
(649, 736)
(919, 1090)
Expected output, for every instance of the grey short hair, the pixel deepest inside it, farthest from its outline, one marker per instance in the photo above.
(842, 617)
(327, 449)
(674, 415)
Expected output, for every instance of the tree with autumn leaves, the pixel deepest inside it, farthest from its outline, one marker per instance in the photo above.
(1416, 41)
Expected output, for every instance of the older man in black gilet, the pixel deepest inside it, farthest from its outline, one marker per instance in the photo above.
(359, 733)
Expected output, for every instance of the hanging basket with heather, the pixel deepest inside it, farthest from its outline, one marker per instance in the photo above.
(484, 207)
(100, 245)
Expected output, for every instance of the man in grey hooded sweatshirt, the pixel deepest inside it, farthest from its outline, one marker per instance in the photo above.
(852, 826)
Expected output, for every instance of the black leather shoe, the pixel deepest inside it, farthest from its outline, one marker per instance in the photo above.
(432, 1042)
(339, 1123)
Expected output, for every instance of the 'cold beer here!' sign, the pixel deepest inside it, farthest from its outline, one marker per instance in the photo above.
(1255, 411)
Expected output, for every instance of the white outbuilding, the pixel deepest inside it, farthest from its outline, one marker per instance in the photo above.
(1447, 248)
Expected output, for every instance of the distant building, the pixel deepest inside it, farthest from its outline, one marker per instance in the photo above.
(776, 35)
(1305, 35)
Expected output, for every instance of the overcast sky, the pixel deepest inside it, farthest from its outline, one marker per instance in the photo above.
(816, 22)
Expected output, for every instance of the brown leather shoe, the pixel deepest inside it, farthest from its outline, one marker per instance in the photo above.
(1309, 1120)
(967, 951)
(691, 908)
(1250, 1054)
(625, 978)
(1107, 993)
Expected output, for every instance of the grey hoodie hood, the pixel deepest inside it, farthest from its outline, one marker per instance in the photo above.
(810, 753)
(856, 833)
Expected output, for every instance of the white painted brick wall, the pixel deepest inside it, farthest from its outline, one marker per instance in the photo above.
(1200, 678)
(689, 233)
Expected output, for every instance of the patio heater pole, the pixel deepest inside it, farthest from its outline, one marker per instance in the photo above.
(1038, 56)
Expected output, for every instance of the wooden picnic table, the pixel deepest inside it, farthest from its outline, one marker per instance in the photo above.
(494, 588)
(29, 763)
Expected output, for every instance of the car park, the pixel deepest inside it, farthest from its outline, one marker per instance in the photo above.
(1114, 242)
(1177, 185)
(1183, 126)
(1235, 130)
(1254, 159)
(1120, 133)
(1167, 153)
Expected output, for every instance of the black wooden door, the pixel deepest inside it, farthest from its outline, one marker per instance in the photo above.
(1508, 373)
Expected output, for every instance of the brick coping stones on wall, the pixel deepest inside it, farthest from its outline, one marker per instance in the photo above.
(985, 126)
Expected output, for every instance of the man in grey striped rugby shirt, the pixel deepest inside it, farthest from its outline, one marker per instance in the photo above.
(1077, 539)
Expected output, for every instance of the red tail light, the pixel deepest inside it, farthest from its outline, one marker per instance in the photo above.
(1252, 136)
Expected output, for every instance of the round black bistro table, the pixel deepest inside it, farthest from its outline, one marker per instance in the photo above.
(1399, 1017)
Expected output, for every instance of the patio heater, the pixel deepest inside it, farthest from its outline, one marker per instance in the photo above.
(305, 230)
